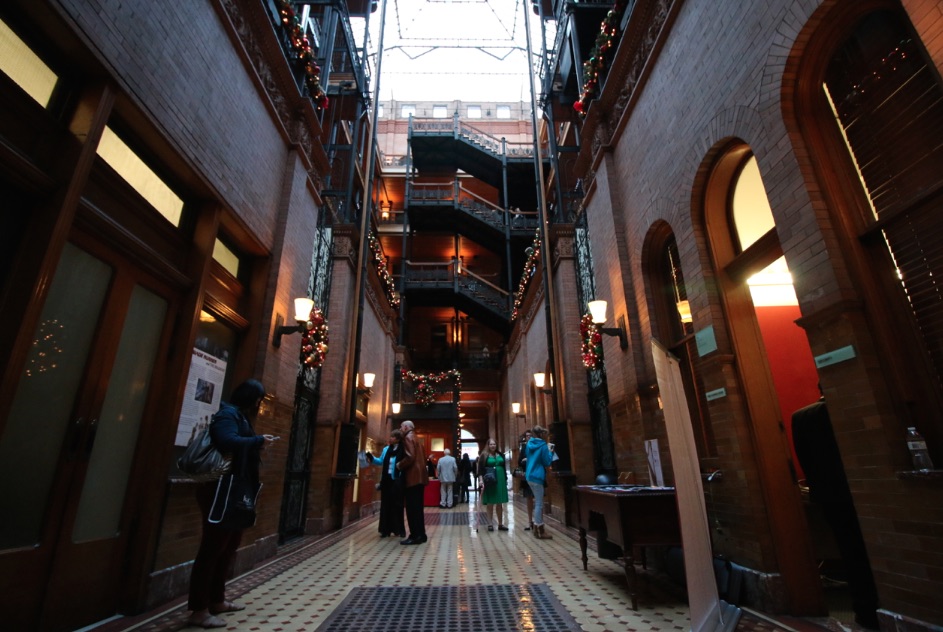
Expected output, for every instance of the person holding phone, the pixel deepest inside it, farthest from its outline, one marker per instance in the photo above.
(232, 433)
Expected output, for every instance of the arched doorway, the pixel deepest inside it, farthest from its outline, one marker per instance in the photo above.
(775, 367)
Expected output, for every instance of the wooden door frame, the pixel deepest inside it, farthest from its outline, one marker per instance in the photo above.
(785, 515)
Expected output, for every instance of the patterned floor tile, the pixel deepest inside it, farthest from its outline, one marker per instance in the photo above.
(326, 582)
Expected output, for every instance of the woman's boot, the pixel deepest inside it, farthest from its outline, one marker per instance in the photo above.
(543, 534)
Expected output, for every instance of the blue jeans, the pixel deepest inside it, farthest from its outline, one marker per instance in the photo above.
(538, 489)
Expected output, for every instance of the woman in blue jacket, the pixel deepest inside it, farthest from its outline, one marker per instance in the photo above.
(539, 457)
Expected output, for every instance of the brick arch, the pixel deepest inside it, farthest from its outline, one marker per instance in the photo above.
(735, 125)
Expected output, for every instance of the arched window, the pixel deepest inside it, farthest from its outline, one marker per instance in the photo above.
(675, 328)
(886, 101)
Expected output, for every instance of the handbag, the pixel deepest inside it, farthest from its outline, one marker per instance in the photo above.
(234, 502)
(201, 461)
(491, 476)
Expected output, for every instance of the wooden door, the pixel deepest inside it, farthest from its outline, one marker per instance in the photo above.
(70, 443)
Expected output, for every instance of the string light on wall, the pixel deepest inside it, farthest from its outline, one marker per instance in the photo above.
(530, 266)
(381, 262)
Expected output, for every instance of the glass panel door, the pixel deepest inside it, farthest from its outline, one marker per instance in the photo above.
(113, 450)
(69, 445)
(41, 418)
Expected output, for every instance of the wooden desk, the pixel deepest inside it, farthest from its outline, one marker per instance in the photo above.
(629, 515)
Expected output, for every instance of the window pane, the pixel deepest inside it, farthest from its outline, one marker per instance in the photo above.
(408, 110)
(226, 258)
(136, 173)
(474, 111)
(504, 111)
(22, 65)
(42, 407)
(752, 216)
(888, 103)
(102, 501)
(440, 111)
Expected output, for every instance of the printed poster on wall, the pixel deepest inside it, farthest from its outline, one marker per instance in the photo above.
(202, 396)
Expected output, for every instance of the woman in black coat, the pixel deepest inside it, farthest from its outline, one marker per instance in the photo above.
(392, 488)
(232, 433)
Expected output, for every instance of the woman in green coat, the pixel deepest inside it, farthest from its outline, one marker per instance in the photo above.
(494, 495)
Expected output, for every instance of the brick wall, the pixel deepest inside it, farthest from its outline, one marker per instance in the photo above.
(726, 73)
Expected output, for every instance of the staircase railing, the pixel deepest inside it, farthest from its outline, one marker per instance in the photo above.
(451, 275)
(471, 203)
(460, 130)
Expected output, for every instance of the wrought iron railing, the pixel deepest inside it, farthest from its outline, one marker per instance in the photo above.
(451, 275)
(452, 193)
(463, 131)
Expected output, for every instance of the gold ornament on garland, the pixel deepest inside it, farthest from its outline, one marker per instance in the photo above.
(314, 340)
(591, 350)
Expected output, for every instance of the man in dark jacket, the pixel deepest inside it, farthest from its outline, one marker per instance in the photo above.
(412, 464)
(820, 459)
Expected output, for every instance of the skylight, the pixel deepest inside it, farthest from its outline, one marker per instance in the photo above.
(444, 50)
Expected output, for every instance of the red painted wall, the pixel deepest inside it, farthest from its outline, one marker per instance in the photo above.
(790, 361)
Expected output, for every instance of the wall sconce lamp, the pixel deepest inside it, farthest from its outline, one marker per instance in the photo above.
(516, 408)
(540, 379)
(598, 311)
(368, 379)
(684, 311)
(396, 407)
(385, 208)
(303, 308)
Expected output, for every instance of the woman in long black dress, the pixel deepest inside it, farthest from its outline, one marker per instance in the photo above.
(391, 489)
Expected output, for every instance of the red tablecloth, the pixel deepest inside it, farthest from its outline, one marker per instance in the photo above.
(433, 494)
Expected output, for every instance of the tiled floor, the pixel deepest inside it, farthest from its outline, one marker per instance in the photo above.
(470, 568)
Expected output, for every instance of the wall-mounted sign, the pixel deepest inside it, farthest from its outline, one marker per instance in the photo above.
(705, 341)
(717, 393)
(834, 357)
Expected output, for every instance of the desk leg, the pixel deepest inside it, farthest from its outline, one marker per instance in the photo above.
(583, 546)
(630, 577)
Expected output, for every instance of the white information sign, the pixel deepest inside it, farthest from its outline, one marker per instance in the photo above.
(203, 395)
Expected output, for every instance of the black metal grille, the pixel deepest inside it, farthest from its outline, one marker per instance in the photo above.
(501, 608)
(454, 518)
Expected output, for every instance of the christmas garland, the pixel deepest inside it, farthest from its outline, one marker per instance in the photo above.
(529, 266)
(596, 64)
(591, 339)
(383, 271)
(424, 392)
(301, 47)
(314, 340)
